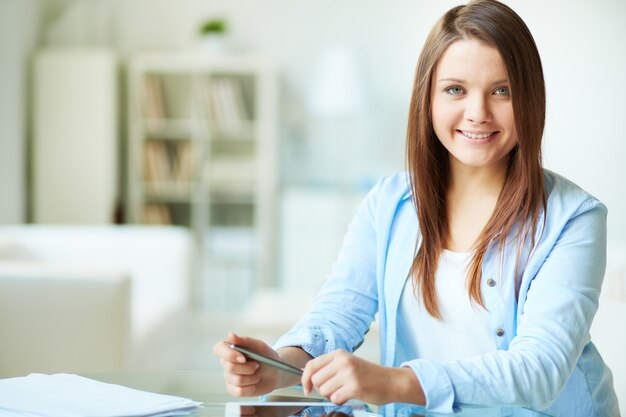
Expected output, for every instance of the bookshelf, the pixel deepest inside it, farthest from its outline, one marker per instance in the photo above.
(202, 153)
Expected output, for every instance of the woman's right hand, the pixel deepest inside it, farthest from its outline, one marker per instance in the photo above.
(246, 377)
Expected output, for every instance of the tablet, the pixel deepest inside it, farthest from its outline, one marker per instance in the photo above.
(293, 409)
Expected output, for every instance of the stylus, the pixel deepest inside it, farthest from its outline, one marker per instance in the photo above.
(268, 361)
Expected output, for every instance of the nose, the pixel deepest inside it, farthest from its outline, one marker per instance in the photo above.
(477, 109)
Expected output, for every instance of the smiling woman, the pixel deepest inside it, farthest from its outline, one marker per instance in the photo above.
(472, 116)
(484, 269)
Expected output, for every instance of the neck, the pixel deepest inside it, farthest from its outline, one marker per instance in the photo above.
(477, 180)
(471, 198)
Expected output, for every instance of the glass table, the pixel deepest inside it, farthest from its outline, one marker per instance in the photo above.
(207, 386)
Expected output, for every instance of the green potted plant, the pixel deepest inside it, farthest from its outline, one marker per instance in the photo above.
(213, 27)
(213, 35)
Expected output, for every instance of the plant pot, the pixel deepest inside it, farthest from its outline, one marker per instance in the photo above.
(213, 44)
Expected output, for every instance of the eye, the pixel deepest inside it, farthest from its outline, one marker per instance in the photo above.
(455, 90)
(502, 91)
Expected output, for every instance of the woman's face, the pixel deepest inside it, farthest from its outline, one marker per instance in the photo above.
(471, 105)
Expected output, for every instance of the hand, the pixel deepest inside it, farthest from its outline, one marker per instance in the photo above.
(245, 377)
(341, 376)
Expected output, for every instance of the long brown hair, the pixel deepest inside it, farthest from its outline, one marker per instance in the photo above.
(522, 197)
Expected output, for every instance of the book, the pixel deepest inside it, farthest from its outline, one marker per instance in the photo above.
(153, 104)
(157, 214)
(184, 162)
(225, 105)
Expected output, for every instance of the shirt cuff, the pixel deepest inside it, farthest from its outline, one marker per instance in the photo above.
(315, 340)
(435, 383)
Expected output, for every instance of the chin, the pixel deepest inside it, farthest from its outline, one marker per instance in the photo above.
(475, 161)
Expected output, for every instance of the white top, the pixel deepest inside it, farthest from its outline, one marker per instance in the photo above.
(464, 330)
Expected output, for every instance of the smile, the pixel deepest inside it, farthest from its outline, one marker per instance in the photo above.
(476, 135)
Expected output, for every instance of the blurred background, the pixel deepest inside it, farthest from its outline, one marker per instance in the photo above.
(170, 170)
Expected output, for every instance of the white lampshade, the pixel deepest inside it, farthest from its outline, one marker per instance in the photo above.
(337, 87)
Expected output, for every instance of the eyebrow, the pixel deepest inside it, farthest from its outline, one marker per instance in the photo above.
(456, 80)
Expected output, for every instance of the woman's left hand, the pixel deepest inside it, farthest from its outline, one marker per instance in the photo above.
(340, 376)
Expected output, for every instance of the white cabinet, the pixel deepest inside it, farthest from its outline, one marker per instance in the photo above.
(74, 153)
(202, 153)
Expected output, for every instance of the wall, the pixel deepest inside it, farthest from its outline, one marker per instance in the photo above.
(581, 46)
(584, 62)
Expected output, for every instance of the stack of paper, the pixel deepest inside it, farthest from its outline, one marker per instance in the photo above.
(65, 395)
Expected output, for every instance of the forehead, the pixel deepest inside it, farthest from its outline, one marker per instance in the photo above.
(470, 59)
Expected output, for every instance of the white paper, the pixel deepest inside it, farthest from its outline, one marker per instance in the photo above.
(67, 395)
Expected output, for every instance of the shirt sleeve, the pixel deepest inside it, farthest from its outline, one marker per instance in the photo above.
(345, 307)
(552, 330)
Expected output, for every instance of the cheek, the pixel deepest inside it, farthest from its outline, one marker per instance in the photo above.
(507, 119)
(512, 129)
(440, 119)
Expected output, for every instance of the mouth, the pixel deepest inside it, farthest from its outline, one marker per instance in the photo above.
(476, 135)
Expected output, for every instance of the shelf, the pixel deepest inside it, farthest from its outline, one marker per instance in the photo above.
(202, 129)
(228, 148)
(234, 192)
(195, 129)
(164, 191)
(245, 133)
(231, 169)
(241, 215)
(171, 129)
(238, 242)
(191, 63)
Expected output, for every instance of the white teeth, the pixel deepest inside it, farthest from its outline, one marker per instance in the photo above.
(476, 136)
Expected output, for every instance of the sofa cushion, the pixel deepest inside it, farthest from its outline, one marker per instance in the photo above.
(62, 319)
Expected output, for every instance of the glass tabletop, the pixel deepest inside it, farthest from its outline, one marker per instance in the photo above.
(208, 387)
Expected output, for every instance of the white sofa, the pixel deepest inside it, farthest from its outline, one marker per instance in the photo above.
(158, 262)
(62, 319)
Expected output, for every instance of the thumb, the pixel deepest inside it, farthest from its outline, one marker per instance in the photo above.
(238, 340)
(232, 337)
(249, 342)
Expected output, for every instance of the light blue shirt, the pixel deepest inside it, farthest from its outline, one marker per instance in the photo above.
(545, 359)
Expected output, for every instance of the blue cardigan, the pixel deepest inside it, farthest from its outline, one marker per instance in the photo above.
(544, 358)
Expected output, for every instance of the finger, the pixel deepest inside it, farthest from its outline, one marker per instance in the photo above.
(249, 342)
(327, 381)
(252, 344)
(305, 381)
(232, 337)
(340, 396)
(247, 391)
(223, 351)
(247, 368)
(241, 380)
(311, 367)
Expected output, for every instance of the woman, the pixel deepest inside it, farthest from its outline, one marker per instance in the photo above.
(485, 269)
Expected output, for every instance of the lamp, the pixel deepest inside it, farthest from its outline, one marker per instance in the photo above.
(337, 88)
(336, 105)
